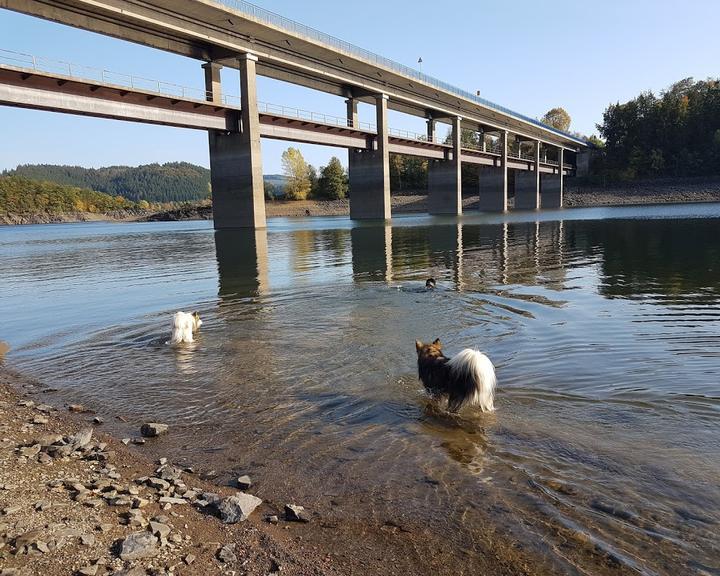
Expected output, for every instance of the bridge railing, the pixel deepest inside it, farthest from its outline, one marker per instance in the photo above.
(267, 17)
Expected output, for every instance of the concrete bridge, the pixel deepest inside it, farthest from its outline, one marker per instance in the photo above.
(239, 35)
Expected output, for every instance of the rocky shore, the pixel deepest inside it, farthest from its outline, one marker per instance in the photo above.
(76, 501)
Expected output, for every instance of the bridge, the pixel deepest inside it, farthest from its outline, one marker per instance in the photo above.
(235, 34)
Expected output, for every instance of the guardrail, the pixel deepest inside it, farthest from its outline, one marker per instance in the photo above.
(271, 18)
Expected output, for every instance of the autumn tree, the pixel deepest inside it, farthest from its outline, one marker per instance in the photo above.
(295, 168)
(557, 118)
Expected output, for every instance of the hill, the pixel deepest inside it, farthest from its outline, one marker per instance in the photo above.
(155, 183)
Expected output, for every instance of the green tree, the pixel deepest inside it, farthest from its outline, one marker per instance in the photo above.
(270, 190)
(296, 170)
(333, 183)
(313, 177)
(557, 118)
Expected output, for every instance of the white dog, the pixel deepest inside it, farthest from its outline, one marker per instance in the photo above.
(184, 325)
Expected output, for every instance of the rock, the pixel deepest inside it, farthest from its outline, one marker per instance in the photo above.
(171, 500)
(81, 439)
(227, 554)
(44, 458)
(169, 472)
(77, 408)
(160, 530)
(237, 508)
(97, 420)
(30, 451)
(134, 571)
(42, 505)
(40, 420)
(87, 540)
(273, 519)
(244, 482)
(11, 510)
(140, 502)
(138, 441)
(296, 513)
(26, 403)
(88, 570)
(158, 483)
(93, 503)
(49, 439)
(153, 429)
(44, 408)
(138, 545)
(125, 441)
(189, 559)
(104, 527)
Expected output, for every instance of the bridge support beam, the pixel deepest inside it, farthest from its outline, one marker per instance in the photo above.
(551, 190)
(444, 179)
(493, 182)
(369, 172)
(238, 194)
(527, 185)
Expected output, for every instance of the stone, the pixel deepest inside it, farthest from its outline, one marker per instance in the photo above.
(160, 530)
(189, 559)
(158, 483)
(87, 540)
(90, 570)
(140, 502)
(237, 508)
(153, 429)
(125, 441)
(244, 482)
(11, 510)
(138, 441)
(227, 554)
(78, 408)
(30, 451)
(273, 519)
(40, 420)
(104, 527)
(171, 500)
(49, 439)
(81, 439)
(296, 513)
(138, 546)
(44, 408)
(44, 458)
(42, 505)
(97, 420)
(26, 403)
(121, 501)
(169, 472)
(93, 503)
(134, 571)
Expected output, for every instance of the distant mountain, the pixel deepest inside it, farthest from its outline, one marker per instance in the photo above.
(171, 182)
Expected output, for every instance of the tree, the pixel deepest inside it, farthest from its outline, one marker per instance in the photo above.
(296, 170)
(333, 183)
(557, 118)
(313, 177)
(270, 190)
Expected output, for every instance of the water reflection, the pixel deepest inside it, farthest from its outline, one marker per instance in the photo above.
(242, 260)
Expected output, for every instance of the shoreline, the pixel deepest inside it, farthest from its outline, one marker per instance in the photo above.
(92, 510)
(577, 195)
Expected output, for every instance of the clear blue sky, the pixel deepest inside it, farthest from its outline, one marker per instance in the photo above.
(526, 55)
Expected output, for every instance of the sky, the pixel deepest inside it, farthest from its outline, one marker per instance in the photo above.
(527, 55)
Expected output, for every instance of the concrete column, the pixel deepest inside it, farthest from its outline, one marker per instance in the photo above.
(213, 87)
(236, 162)
(494, 182)
(552, 186)
(444, 178)
(242, 259)
(431, 130)
(527, 185)
(369, 172)
(352, 112)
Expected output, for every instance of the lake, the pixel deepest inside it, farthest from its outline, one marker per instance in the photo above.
(604, 324)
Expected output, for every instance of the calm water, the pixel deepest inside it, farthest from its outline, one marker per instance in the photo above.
(604, 453)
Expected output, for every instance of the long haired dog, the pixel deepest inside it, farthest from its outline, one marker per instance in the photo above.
(468, 378)
(184, 325)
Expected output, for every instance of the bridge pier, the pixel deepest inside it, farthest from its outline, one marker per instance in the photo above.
(552, 186)
(527, 185)
(493, 182)
(444, 178)
(369, 170)
(236, 176)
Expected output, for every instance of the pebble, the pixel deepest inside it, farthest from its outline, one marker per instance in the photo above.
(153, 429)
(76, 408)
(87, 539)
(160, 530)
(171, 500)
(296, 513)
(125, 441)
(227, 554)
(189, 559)
(138, 545)
(88, 570)
(40, 420)
(244, 482)
(11, 510)
(273, 519)
(138, 441)
(97, 420)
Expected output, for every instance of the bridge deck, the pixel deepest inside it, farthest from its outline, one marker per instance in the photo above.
(28, 88)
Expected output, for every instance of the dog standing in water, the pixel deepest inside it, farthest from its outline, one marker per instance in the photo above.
(184, 325)
(467, 379)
